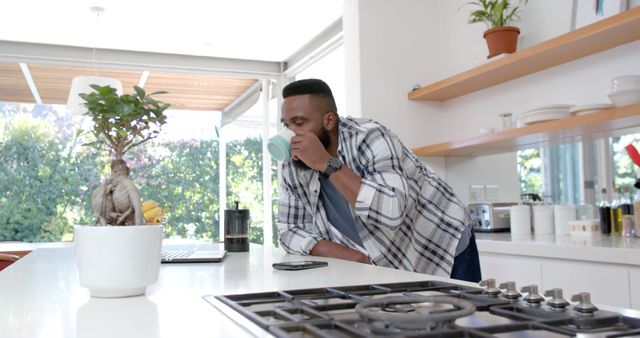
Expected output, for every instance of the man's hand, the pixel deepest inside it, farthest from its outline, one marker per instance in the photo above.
(326, 248)
(306, 146)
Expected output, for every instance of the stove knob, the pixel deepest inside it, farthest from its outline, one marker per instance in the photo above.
(584, 303)
(556, 301)
(533, 296)
(490, 289)
(510, 290)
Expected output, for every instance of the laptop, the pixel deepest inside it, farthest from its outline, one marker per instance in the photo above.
(193, 256)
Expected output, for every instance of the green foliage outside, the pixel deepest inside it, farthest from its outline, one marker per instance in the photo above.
(626, 171)
(48, 178)
(42, 184)
(530, 171)
(181, 176)
(244, 184)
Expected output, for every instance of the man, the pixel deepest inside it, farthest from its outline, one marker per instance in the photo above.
(353, 191)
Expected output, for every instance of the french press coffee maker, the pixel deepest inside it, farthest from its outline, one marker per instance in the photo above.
(236, 229)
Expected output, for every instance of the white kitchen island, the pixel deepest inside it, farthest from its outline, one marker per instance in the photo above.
(40, 295)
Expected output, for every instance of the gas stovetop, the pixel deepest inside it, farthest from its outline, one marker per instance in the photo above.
(424, 309)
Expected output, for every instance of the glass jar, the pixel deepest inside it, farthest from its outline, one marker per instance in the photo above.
(507, 122)
(636, 212)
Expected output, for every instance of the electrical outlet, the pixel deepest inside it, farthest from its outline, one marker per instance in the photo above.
(491, 193)
(477, 193)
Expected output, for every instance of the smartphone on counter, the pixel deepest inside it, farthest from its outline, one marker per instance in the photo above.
(299, 265)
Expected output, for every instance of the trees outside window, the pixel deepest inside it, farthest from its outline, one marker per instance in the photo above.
(530, 171)
(44, 178)
(48, 176)
(244, 183)
(626, 171)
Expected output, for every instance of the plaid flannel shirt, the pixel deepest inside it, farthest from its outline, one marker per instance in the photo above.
(406, 216)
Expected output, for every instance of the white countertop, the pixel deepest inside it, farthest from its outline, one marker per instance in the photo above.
(40, 295)
(599, 248)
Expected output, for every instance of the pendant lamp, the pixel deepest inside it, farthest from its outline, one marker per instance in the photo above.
(81, 84)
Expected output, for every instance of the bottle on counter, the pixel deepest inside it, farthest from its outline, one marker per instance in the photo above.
(604, 210)
(636, 211)
(628, 228)
(616, 213)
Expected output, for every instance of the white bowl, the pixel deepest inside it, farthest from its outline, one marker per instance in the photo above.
(546, 115)
(118, 261)
(589, 108)
(548, 107)
(625, 98)
(625, 83)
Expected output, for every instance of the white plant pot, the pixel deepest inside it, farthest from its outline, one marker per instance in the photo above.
(118, 261)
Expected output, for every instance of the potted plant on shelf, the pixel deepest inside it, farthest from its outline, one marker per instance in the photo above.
(498, 15)
(119, 255)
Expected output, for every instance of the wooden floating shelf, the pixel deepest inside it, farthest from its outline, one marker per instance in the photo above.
(573, 129)
(602, 35)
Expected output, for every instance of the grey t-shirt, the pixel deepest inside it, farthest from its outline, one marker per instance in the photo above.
(464, 240)
(338, 211)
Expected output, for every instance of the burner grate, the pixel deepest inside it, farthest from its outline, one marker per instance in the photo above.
(367, 311)
(408, 313)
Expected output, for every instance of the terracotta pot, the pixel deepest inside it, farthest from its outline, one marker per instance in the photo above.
(501, 40)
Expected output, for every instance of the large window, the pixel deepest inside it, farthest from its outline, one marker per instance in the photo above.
(530, 171)
(244, 169)
(48, 175)
(625, 171)
(553, 173)
(575, 173)
(195, 169)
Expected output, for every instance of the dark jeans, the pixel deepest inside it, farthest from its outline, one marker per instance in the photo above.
(466, 265)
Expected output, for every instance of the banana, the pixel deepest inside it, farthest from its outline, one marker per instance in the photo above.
(158, 220)
(150, 215)
(148, 205)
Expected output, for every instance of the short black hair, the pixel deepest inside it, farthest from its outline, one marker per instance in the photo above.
(314, 87)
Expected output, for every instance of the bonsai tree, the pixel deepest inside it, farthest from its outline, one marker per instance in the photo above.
(498, 16)
(494, 13)
(121, 122)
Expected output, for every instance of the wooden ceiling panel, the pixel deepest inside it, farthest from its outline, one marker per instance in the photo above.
(185, 91)
(54, 82)
(13, 86)
(196, 91)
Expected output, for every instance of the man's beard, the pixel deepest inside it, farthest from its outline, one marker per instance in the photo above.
(325, 139)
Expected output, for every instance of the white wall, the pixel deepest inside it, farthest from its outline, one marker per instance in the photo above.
(497, 170)
(351, 41)
(463, 46)
(407, 42)
(396, 40)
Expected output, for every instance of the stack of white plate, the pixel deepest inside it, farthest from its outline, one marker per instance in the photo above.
(545, 113)
(626, 90)
(589, 108)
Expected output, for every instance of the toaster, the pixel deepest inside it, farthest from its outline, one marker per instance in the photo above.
(490, 217)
